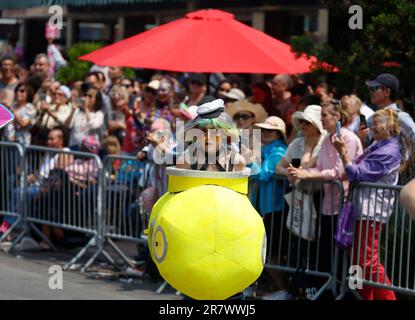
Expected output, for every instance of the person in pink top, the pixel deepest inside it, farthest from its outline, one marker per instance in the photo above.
(329, 166)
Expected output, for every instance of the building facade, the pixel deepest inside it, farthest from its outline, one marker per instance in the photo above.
(112, 20)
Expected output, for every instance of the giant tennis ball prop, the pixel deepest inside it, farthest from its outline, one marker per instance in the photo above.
(205, 237)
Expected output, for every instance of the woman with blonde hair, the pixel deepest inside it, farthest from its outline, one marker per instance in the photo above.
(329, 165)
(358, 112)
(373, 206)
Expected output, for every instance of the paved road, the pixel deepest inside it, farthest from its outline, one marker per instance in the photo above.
(28, 278)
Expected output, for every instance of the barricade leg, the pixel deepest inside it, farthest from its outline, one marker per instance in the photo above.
(81, 253)
(120, 253)
(17, 240)
(162, 287)
(344, 278)
(44, 238)
(101, 250)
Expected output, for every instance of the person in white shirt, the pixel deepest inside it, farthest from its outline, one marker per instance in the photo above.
(86, 118)
(303, 151)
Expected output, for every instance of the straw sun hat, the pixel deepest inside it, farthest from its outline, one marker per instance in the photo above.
(243, 105)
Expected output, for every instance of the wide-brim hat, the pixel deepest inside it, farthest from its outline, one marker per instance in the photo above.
(312, 114)
(273, 123)
(234, 94)
(255, 108)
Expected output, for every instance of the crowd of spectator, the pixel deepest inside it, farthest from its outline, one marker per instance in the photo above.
(106, 113)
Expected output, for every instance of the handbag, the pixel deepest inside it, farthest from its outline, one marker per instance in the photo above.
(345, 224)
(302, 215)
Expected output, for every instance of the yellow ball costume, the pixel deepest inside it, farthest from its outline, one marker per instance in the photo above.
(205, 237)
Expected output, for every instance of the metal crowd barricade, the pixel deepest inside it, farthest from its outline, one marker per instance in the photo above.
(382, 255)
(11, 185)
(62, 190)
(316, 256)
(123, 215)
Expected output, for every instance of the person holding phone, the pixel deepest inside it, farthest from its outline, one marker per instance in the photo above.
(378, 164)
(357, 111)
(329, 165)
(303, 151)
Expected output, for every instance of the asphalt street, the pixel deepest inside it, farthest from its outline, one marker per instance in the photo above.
(27, 277)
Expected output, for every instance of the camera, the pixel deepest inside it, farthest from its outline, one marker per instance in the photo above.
(85, 86)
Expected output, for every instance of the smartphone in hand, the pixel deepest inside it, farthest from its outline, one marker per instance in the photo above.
(362, 120)
(338, 127)
(296, 163)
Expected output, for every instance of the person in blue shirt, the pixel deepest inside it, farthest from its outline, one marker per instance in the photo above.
(269, 199)
(274, 146)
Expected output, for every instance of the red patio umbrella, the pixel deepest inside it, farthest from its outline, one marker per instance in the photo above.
(203, 41)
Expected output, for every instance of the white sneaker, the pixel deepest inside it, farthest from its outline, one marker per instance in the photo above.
(278, 295)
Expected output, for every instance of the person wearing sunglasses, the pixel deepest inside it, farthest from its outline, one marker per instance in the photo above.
(128, 84)
(24, 114)
(245, 114)
(54, 114)
(384, 91)
(146, 110)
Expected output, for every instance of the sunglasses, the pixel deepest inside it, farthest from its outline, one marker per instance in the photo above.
(21, 90)
(151, 91)
(242, 116)
(375, 88)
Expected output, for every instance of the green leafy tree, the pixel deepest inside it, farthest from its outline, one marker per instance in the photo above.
(76, 69)
(385, 44)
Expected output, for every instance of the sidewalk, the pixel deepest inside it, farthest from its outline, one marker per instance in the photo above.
(25, 276)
